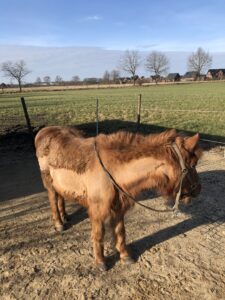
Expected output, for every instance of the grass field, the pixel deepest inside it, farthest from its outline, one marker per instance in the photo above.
(190, 107)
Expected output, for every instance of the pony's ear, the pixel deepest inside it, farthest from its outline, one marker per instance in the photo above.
(171, 133)
(191, 142)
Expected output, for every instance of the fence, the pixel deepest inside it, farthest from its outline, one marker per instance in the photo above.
(23, 117)
(125, 112)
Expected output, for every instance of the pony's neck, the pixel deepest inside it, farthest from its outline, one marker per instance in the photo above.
(144, 173)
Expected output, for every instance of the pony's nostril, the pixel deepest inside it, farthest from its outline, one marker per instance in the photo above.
(196, 188)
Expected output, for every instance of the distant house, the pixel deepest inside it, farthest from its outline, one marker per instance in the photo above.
(173, 77)
(3, 86)
(91, 80)
(191, 75)
(155, 78)
(124, 80)
(215, 74)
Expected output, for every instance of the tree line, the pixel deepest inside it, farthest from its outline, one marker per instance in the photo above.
(156, 63)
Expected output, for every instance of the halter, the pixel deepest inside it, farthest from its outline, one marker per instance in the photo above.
(184, 172)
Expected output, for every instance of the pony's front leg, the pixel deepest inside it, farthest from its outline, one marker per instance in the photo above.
(120, 239)
(98, 232)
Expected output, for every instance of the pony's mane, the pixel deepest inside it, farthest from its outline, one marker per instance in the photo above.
(122, 140)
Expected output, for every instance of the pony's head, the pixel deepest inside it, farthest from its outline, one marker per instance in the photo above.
(187, 177)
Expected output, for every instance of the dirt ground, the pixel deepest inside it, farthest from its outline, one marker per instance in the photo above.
(177, 257)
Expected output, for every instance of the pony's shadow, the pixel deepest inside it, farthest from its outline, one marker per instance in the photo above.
(77, 216)
(208, 209)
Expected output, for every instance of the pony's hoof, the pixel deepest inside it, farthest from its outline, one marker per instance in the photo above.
(128, 260)
(176, 212)
(65, 219)
(59, 228)
(102, 266)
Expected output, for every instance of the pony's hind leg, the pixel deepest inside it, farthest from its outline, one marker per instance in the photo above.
(53, 199)
(52, 196)
(62, 210)
(98, 232)
(118, 228)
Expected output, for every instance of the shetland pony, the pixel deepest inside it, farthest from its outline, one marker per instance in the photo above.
(71, 170)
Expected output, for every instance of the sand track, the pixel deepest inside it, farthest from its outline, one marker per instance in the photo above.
(177, 257)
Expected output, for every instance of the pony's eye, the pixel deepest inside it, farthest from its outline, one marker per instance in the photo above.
(193, 166)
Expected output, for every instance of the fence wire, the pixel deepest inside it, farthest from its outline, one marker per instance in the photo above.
(122, 113)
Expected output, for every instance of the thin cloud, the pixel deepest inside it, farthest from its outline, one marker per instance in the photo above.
(91, 18)
(147, 46)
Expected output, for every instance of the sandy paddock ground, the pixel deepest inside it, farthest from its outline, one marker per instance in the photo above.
(177, 257)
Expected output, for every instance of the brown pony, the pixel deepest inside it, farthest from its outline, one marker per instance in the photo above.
(75, 168)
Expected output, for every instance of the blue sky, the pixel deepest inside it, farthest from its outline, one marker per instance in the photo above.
(174, 26)
(168, 25)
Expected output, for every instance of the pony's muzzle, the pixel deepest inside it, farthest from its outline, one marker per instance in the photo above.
(196, 189)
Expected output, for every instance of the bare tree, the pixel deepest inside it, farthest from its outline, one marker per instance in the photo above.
(16, 70)
(199, 60)
(38, 81)
(157, 63)
(47, 79)
(75, 78)
(106, 77)
(130, 62)
(58, 79)
(114, 75)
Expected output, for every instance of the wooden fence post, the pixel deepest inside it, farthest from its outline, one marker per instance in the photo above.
(97, 116)
(139, 112)
(27, 117)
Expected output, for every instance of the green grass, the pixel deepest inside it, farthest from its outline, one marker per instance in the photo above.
(190, 107)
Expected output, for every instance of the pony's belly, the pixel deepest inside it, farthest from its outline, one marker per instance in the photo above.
(69, 184)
